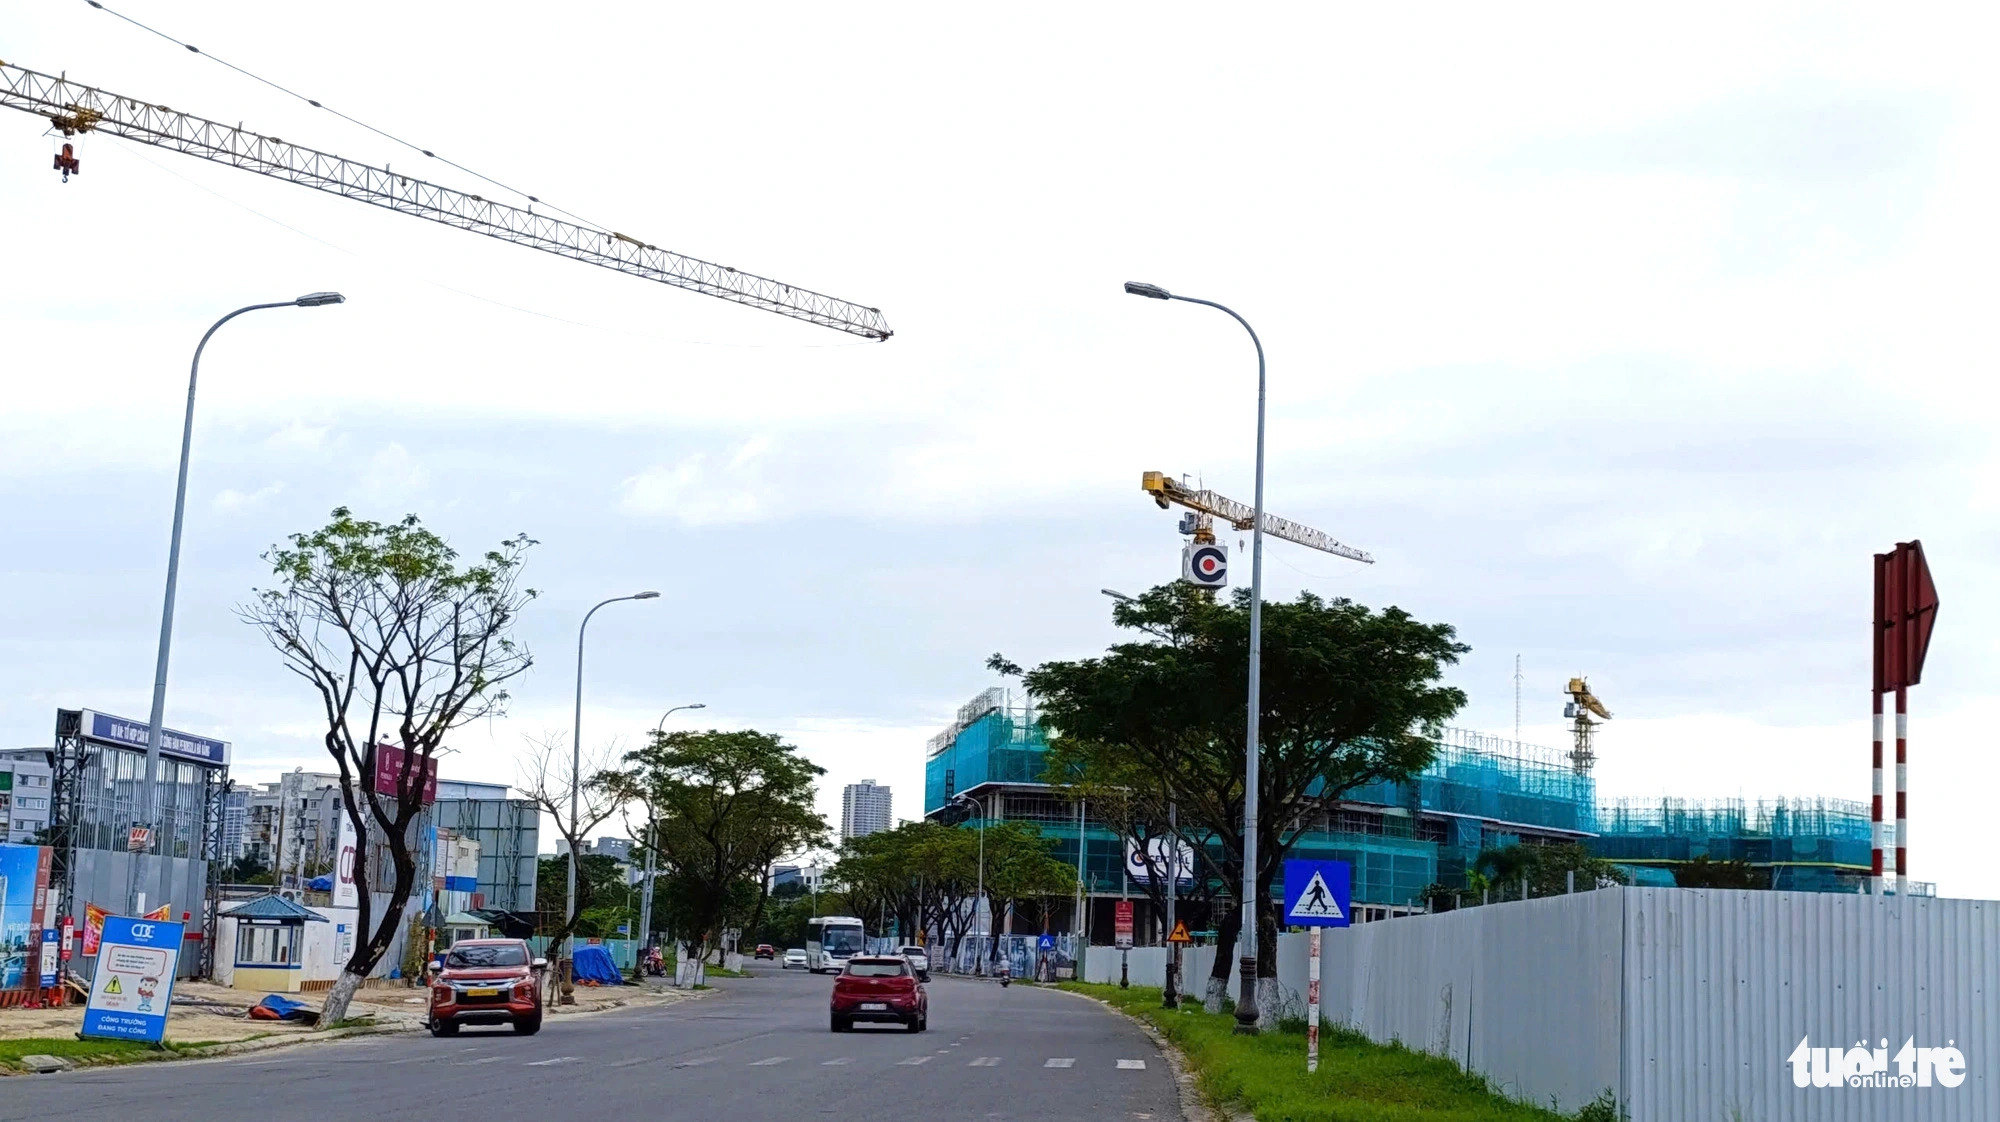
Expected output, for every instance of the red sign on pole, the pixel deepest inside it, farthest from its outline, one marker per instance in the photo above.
(392, 762)
(1906, 604)
(1121, 920)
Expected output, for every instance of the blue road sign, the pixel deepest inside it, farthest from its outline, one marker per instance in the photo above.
(1046, 943)
(134, 981)
(1317, 893)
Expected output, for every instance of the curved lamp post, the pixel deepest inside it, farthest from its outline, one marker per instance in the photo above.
(1246, 1002)
(148, 801)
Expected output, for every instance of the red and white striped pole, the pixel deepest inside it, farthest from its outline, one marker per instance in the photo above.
(1875, 829)
(1312, 1002)
(1902, 788)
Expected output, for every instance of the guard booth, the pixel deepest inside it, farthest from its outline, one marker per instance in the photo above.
(268, 947)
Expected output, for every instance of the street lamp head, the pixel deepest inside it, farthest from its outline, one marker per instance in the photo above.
(699, 705)
(315, 299)
(1116, 595)
(1150, 291)
(645, 596)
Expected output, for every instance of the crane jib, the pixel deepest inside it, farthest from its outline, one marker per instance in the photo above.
(76, 108)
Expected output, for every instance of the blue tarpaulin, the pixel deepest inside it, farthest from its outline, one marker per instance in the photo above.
(320, 884)
(593, 964)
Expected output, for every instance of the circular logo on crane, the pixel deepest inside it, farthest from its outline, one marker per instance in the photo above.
(1208, 566)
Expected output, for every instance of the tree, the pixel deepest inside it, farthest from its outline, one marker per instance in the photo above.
(1705, 873)
(729, 803)
(1350, 696)
(550, 777)
(398, 639)
(1545, 868)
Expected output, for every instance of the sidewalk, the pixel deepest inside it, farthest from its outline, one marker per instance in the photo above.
(206, 1012)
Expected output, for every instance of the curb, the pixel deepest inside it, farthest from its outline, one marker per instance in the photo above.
(292, 1040)
(1194, 1106)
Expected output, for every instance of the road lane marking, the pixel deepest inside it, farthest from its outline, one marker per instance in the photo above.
(838, 1062)
(572, 1059)
(480, 1060)
(634, 1063)
(913, 1061)
(1067, 1061)
(985, 1061)
(696, 1063)
(769, 1060)
(1131, 1065)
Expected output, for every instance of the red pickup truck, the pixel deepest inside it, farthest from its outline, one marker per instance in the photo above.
(879, 988)
(487, 982)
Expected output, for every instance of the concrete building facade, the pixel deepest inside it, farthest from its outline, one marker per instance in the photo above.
(864, 809)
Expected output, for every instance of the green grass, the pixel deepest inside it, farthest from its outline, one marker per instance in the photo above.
(1358, 1080)
(90, 1051)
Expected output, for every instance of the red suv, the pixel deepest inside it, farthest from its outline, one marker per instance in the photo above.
(879, 988)
(487, 982)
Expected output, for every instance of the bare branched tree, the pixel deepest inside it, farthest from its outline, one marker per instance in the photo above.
(549, 776)
(402, 643)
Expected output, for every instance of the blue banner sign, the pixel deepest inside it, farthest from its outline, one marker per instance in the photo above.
(107, 729)
(135, 979)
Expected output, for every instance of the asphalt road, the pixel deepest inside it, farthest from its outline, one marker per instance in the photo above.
(757, 1049)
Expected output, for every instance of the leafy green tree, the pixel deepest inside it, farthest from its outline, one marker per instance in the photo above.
(1546, 870)
(399, 640)
(1702, 872)
(728, 804)
(601, 891)
(1349, 696)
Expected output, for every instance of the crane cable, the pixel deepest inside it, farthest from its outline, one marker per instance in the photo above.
(351, 120)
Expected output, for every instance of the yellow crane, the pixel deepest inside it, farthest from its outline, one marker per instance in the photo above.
(1579, 708)
(1204, 563)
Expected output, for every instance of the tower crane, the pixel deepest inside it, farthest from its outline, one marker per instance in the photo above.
(1208, 570)
(1579, 708)
(73, 109)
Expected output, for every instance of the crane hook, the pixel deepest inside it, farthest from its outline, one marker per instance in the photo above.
(67, 163)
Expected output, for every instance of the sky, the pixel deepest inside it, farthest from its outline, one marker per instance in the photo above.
(1621, 338)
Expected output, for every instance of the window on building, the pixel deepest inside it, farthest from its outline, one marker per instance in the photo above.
(264, 945)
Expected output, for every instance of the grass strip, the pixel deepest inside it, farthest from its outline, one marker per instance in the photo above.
(1358, 1080)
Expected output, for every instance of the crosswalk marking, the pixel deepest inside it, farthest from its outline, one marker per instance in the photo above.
(914, 1060)
(1066, 1061)
(767, 1062)
(838, 1062)
(985, 1061)
(1131, 1065)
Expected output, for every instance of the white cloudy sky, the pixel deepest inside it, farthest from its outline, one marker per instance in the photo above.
(1621, 338)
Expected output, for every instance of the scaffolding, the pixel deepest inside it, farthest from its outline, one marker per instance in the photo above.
(1815, 845)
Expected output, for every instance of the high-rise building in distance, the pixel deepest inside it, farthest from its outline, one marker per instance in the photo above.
(864, 809)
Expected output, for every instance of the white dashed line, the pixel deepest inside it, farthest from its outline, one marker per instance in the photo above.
(985, 1061)
(913, 1061)
(481, 1060)
(696, 1063)
(1066, 1061)
(635, 1063)
(768, 1061)
(559, 1060)
(838, 1062)
(1131, 1065)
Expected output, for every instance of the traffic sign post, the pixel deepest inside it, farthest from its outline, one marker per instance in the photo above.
(1121, 922)
(1317, 894)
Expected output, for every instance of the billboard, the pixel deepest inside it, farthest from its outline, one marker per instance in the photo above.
(125, 733)
(392, 762)
(24, 900)
(1143, 866)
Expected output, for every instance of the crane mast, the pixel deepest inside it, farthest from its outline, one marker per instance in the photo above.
(1168, 491)
(73, 108)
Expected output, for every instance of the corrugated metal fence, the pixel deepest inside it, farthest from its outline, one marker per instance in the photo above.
(1687, 1003)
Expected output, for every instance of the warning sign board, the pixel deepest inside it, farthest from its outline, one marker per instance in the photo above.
(1317, 893)
(1180, 934)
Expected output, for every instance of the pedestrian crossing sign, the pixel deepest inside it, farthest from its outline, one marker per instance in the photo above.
(1318, 893)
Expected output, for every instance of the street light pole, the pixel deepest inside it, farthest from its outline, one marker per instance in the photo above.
(646, 896)
(1246, 1002)
(148, 807)
(979, 893)
(576, 764)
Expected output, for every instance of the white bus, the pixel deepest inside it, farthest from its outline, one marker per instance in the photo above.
(831, 941)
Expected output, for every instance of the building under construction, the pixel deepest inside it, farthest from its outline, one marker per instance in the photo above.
(1480, 792)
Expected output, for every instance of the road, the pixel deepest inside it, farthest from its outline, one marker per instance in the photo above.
(757, 1049)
